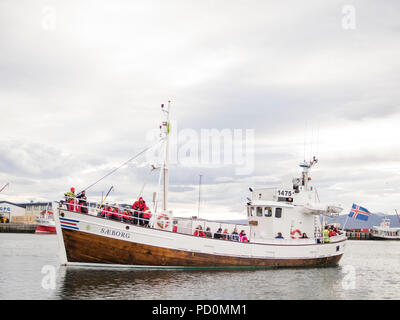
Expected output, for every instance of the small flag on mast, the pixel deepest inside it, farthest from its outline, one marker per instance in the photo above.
(359, 213)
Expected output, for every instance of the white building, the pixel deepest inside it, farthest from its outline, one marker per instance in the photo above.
(10, 209)
(26, 212)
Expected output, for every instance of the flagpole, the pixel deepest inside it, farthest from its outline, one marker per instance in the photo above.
(345, 222)
(347, 218)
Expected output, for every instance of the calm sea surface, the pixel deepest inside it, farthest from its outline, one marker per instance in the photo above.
(30, 270)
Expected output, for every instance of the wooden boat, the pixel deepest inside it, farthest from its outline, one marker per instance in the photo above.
(169, 241)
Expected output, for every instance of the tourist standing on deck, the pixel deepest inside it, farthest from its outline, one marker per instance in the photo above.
(146, 217)
(225, 235)
(199, 232)
(82, 203)
(218, 234)
(279, 236)
(326, 234)
(208, 233)
(139, 206)
(235, 235)
(70, 198)
(243, 237)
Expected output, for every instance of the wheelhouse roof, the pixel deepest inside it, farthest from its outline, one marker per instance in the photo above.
(270, 204)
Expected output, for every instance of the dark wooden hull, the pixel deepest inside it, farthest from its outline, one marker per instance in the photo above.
(89, 248)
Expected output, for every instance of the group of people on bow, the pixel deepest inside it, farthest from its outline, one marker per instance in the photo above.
(77, 203)
(139, 214)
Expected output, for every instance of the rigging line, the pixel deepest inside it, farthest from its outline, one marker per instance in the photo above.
(317, 152)
(148, 177)
(126, 162)
(311, 140)
(304, 150)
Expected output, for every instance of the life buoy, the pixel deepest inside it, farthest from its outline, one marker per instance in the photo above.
(294, 232)
(163, 221)
(44, 212)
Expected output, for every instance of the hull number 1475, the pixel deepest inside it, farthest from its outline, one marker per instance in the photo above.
(285, 193)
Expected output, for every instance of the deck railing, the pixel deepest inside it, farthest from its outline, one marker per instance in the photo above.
(130, 218)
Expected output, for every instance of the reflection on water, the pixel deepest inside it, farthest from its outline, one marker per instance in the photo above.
(368, 270)
(84, 283)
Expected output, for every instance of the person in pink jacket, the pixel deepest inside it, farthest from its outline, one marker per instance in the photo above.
(243, 237)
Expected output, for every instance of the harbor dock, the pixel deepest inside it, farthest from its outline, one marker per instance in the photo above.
(359, 235)
(15, 227)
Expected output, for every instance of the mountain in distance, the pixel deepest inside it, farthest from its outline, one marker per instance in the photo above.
(374, 219)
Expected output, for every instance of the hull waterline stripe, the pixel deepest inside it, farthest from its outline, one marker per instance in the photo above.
(69, 227)
(65, 219)
(68, 223)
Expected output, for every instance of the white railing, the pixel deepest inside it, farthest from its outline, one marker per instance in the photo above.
(130, 218)
(103, 211)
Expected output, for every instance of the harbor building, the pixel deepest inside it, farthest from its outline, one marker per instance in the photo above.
(23, 212)
(10, 210)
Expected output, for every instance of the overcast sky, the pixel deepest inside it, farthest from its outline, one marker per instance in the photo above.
(81, 83)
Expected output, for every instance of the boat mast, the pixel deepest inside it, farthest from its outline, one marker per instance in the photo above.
(166, 125)
(198, 209)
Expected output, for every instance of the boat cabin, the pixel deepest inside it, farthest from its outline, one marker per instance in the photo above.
(292, 211)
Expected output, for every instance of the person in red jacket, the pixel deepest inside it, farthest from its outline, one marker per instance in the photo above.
(70, 198)
(199, 232)
(139, 206)
(102, 213)
(332, 233)
(109, 211)
(127, 216)
(116, 215)
(146, 217)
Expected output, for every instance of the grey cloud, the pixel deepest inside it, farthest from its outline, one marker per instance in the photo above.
(82, 96)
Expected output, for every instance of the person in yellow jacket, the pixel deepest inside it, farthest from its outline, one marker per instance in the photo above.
(326, 234)
(70, 198)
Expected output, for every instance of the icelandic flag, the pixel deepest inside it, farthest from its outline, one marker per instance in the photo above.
(359, 213)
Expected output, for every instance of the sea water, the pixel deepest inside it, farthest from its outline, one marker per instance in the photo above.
(30, 269)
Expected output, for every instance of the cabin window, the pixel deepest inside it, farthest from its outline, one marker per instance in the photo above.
(268, 211)
(278, 212)
(259, 211)
(250, 211)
